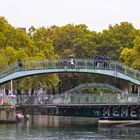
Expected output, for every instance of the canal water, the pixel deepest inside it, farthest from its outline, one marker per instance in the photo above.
(68, 128)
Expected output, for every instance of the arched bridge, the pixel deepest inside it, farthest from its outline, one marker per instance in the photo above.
(105, 67)
(94, 85)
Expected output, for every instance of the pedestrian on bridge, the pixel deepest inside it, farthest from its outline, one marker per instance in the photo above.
(20, 64)
(72, 62)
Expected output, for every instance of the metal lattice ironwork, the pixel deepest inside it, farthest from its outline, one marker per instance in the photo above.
(94, 85)
(106, 67)
(80, 98)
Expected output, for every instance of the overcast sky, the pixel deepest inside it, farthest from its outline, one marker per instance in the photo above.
(96, 14)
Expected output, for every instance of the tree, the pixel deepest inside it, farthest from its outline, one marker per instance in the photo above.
(116, 38)
(131, 57)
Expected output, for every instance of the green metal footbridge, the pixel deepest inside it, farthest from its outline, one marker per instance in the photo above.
(105, 67)
(93, 85)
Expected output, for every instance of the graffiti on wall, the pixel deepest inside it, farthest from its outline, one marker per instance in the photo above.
(9, 100)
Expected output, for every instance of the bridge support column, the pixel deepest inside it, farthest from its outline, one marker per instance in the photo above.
(11, 87)
(138, 90)
(126, 91)
(130, 91)
(4, 93)
(135, 89)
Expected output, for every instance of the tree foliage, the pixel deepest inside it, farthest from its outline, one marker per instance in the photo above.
(131, 56)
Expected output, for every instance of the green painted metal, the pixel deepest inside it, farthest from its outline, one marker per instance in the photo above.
(96, 85)
(95, 98)
(79, 98)
(110, 68)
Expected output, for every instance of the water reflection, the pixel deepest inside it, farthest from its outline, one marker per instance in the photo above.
(59, 128)
(126, 131)
(55, 121)
(67, 128)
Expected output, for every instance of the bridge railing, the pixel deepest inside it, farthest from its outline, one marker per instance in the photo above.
(78, 64)
(83, 64)
(8, 70)
(33, 99)
(96, 99)
(83, 98)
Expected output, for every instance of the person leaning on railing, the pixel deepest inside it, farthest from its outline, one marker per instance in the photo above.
(102, 62)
